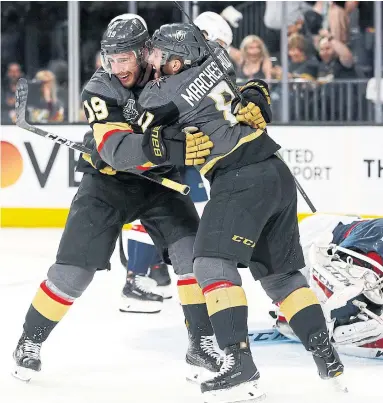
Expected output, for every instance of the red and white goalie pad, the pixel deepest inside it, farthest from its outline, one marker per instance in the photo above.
(337, 283)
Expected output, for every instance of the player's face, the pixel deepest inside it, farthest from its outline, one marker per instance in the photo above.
(125, 67)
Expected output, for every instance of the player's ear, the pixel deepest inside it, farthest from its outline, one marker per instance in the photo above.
(177, 65)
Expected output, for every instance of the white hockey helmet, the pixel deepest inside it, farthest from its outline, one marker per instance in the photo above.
(129, 16)
(215, 26)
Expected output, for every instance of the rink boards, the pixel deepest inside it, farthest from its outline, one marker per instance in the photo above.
(340, 168)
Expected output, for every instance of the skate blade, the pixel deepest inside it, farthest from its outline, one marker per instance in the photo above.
(339, 384)
(134, 306)
(164, 291)
(23, 374)
(198, 375)
(248, 392)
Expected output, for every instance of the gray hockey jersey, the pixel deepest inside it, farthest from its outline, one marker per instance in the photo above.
(200, 97)
(111, 111)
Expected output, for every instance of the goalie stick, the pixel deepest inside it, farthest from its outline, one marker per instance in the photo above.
(21, 105)
(239, 96)
(273, 336)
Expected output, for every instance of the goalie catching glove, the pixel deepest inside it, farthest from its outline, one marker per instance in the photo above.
(257, 112)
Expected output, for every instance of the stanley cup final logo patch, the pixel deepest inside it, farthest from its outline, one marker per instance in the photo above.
(129, 111)
(180, 36)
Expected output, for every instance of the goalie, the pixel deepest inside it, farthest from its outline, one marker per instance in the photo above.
(344, 266)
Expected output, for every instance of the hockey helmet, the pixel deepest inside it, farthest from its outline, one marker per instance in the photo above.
(123, 36)
(216, 27)
(178, 39)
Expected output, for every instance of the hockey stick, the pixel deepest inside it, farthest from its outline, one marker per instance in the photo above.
(123, 259)
(21, 105)
(238, 95)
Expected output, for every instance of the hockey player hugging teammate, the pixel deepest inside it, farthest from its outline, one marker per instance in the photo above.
(251, 218)
(107, 198)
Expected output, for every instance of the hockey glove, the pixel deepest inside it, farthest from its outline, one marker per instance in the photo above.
(198, 146)
(164, 145)
(94, 158)
(256, 112)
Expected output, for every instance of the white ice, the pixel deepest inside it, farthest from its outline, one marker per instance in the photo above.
(99, 355)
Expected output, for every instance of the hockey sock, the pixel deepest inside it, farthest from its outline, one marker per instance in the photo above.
(304, 314)
(227, 308)
(46, 310)
(141, 256)
(194, 307)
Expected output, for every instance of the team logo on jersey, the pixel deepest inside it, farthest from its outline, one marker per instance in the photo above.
(180, 36)
(129, 111)
(157, 82)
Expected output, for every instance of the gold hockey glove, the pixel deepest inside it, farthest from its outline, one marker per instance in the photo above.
(251, 115)
(198, 146)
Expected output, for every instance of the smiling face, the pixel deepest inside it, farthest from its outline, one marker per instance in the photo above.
(253, 49)
(296, 55)
(126, 67)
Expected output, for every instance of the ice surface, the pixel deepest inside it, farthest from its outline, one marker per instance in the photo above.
(100, 355)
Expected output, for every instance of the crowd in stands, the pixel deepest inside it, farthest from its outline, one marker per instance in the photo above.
(330, 51)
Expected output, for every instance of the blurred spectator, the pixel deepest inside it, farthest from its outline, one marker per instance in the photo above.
(366, 49)
(339, 21)
(336, 60)
(60, 69)
(43, 105)
(8, 114)
(301, 64)
(273, 21)
(254, 60)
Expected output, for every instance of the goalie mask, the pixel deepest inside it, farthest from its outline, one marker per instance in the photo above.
(123, 43)
(176, 40)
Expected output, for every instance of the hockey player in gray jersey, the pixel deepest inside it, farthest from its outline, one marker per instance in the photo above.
(251, 218)
(106, 199)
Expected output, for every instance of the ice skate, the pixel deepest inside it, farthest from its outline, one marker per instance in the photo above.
(327, 360)
(160, 273)
(27, 359)
(202, 359)
(237, 380)
(138, 297)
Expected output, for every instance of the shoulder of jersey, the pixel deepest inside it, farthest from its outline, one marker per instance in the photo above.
(108, 87)
(162, 91)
